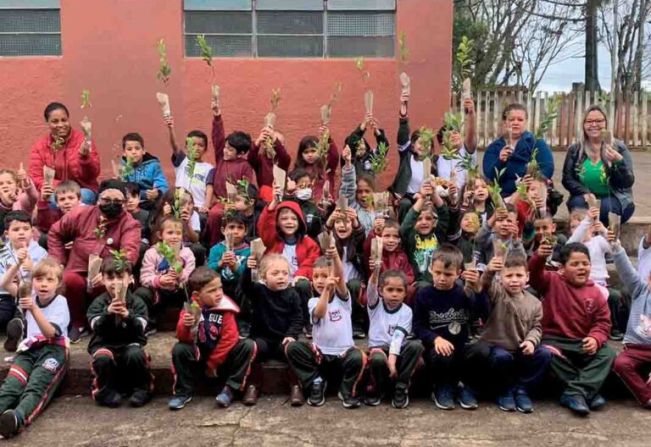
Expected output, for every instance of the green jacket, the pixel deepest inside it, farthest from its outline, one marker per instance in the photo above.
(420, 249)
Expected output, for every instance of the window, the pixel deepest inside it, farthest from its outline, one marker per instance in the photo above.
(30, 28)
(292, 28)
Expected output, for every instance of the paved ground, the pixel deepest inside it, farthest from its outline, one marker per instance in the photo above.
(77, 422)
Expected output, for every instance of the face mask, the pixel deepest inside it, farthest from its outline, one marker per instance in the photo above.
(304, 194)
(111, 210)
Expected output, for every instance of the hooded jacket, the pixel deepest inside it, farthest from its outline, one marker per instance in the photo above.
(67, 162)
(307, 250)
(110, 331)
(216, 333)
(148, 174)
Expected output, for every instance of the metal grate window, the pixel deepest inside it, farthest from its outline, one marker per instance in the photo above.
(30, 28)
(292, 28)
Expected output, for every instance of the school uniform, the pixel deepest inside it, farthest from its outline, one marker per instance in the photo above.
(40, 363)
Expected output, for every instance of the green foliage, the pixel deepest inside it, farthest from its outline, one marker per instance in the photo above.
(323, 146)
(178, 198)
(121, 261)
(404, 50)
(58, 143)
(464, 57)
(551, 114)
(495, 190)
(127, 169)
(453, 121)
(206, 50)
(533, 167)
(467, 164)
(360, 65)
(85, 99)
(426, 137)
(170, 256)
(192, 158)
(164, 68)
(275, 99)
(379, 159)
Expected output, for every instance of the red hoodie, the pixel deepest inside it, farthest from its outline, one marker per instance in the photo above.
(227, 170)
(264, 165)
(307, 251)
(67, 163)
(569, 311)
(215, 336)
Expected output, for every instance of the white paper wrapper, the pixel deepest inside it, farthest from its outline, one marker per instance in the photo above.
(164, 101)
(94, 265)
(376, 250)
(257, 249)
(368, 102)
(466, 92)
(270, 120)
(405, 83)
(607, 137)
(48, 174)
(231, 192)
(280, 178)
(614, 223)
(326, 240)
(427, 169)
(86, 127)
(214, 90)
(116, 169)
(381, 202)
(326, 111)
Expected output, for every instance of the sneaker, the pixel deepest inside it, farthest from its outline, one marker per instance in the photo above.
(597, 402)
(443, 397)
(296, 398)
(358, 332)
(15, 329)
(373, 398)
(9, 424)
(616, 335)
(251, 396)
(139, 398)
(505, 401)
(350, 402)
(307, 331)
(76, 334)
(225, 398)
(576, 403)
(317, 392)
(467, 399)
(150, 330)
(400, 397)
(178, 402)
(113, 399)
(522, 401)
(647, 405)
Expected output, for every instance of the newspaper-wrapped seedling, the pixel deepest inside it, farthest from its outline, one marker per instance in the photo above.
(376, 251)
(164, 68)
(495, 190)
(171, 255)
(427, 169)
(592, 201)
(268, 143)
(500, 248)
(85, 99)
(607, 137)
(342, 206)
(614, 223)
(466, 89)
(215, 94)
(193, 309)
(326, 191)
(326, 112)
(326, 240)
(94, 265)
(368, 102)
(280, 179)
(426, 138)
(164, 102)
(257, 252)
(48, 175)
(228, 241)
(405, 84)
(231, 192)
(86, 127)
(379, 159)
(469, 266)
(381, 203)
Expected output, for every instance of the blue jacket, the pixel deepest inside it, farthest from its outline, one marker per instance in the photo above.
(148, 174)
(516, 165)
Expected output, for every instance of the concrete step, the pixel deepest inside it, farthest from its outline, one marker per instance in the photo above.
(276, 379)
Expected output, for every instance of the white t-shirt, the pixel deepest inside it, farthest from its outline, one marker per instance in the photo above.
(597, 246)
(289, 252)
(333, 335)
(416, 180)
(198, 185)
(387, 327)
(195, 221)
(56, 312)
(445, 167)
(643, 261)
(350, 271)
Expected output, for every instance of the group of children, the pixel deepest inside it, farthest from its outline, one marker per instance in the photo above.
(484, 296)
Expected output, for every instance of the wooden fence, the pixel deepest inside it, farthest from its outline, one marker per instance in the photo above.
(630, 123)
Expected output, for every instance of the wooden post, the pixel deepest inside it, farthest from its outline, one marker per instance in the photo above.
(578, 118)
(645, 119)
(635, 122)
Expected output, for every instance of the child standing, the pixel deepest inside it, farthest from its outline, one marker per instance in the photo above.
(332, 354)
(392, 357)
(144, 169)
(119, 362)
(42, 359)
(194, 181)
(166, 267)
(442, 313)
(277, 317)
(209, 344)
(510, 347)
(17, 259)
(635, 359)
(576, 325)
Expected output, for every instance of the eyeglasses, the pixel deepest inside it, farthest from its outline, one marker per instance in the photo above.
(591, 123)
(107, 201)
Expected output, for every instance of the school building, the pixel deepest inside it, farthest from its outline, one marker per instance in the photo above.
(54, 49)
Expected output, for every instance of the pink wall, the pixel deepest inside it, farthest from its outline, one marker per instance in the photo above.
(109, 48)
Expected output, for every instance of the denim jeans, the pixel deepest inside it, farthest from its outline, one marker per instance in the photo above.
(608, 204)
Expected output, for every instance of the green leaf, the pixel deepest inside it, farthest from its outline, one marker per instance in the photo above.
(120, 258)
(404, 51)
(85, 99)
(164, 68)
(551, 113)
(170, 256)
(426, 137)
(206, 50)
(464, 57)
(379, 160)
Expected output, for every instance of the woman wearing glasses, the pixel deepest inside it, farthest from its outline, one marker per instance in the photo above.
(599, 168)
(100, 230)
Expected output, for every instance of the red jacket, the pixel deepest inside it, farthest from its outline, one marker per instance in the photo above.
(227, 170)
(568, 311)
(214, 334)
(79, 226)
(263, 165)
(307, 251)
(320, 175)
(396, 260)
(67, 163)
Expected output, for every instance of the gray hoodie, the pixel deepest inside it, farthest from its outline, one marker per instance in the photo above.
(638, 329)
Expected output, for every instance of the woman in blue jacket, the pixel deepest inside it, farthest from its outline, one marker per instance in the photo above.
(514, 155)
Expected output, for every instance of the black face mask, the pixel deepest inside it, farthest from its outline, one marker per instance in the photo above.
(111, 210)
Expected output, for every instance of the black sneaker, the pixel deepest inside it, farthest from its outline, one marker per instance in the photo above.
(358, 332)
(317, 393)
(15, 329)
(9, 424)
(350, 402)
(616, 335)
(373, 398)
(76, 334)
(113, 399)
(139, 398)
(150, 330)
(400, 398)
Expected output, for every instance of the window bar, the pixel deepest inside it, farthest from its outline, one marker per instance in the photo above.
(325, 29)
(254, 28)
